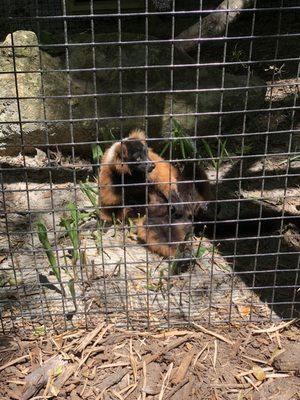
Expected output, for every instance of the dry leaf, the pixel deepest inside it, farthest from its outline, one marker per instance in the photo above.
(259, 373)
(189, 346)
(245, 311)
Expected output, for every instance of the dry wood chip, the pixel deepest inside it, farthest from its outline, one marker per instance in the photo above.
(171, 346)
(64, 377)
(15, 361)
(88, 338)
(41, 375)
(152, 376)
(183, 368)
(112, 379)
(12, 394)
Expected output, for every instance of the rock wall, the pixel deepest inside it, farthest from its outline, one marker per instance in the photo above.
(35, 108)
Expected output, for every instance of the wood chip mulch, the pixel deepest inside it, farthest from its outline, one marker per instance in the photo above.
(245, 362)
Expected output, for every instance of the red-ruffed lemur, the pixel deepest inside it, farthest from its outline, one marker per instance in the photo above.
(135, 182)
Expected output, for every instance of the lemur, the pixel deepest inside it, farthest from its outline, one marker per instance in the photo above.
(136, 182)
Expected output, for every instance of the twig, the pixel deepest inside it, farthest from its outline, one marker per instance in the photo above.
(199, 354)
(145, 381)
(273, 329)
(113, 365)
(117, 395)
(84, 387)
(215, 355)
(277, 375)
(256, 360)
(231, 385)
(250, 381)
(278, 339)
(176, 388)
(165, 382)
(15, 361)
(211, 333)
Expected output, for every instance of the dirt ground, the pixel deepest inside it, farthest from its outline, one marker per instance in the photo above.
(243, 362)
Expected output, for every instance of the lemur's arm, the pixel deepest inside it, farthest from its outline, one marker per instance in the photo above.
(164, 176)
(107, 196)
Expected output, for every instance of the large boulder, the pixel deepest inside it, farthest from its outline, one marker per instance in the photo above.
(46, 120)
(28, 118)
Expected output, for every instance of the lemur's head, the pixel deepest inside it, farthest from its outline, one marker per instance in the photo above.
(131, 155)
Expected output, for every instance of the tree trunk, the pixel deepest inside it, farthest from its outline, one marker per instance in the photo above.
(214, 24)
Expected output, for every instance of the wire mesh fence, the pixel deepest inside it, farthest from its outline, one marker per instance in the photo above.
(149, 162)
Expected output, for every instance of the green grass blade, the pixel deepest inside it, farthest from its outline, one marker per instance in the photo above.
(71, 287)
(177, 128)
(210, 153)
(90, 192)
(165, 148)
(97, 153)
(43, 238)
(74, 213)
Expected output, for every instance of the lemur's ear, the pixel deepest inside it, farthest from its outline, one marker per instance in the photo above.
(138, 134)
(123, 151)
(121, 154)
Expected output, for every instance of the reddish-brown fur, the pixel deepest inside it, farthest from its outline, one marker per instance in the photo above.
(164, 176)
(164, 188)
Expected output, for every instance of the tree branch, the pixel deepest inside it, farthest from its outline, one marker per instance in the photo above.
(214, 24)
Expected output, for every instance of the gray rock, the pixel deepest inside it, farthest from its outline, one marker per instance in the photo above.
(28, 126)
(31, 130)
(289, 360)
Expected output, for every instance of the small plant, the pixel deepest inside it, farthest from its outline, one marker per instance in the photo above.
(277, 71)
(91, 193)
(292, 159)
(115, 221)
(97, 154)
(159, 286)
(131, 228)
(181, 146)
(39, 331)
(217, 160)
(71, 228)
(43, 238)
(200, 250)
(239, 56)
(107, 134)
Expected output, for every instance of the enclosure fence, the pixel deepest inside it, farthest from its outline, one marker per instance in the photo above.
(214, 85)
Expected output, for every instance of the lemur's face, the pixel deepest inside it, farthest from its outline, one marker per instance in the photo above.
(136, 154)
